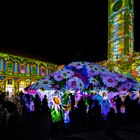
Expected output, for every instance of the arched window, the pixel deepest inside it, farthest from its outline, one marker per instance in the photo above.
(33, 70)
(1, 64)
(9, 66)
(22, 68)
(43, 71)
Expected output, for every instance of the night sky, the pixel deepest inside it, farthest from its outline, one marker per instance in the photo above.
(60, 35)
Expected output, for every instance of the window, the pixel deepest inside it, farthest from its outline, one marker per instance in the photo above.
(33, 70)
(9, 67)
(43, 71)
(22, 69)
(9, 81)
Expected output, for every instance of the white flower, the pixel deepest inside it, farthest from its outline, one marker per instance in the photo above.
(104, 93)
(93, 81)
(54, 102)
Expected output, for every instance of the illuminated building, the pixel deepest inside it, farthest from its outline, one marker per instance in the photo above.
(18, 72)
(120, 29)
(122, 57)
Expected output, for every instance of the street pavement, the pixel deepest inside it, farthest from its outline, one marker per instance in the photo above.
(38, 127)
(127, 132)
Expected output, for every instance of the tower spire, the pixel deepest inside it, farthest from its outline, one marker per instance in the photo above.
(120, 29)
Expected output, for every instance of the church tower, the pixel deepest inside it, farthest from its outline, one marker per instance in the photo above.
(120, 29)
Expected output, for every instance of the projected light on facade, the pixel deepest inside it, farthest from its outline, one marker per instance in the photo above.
(120, 28)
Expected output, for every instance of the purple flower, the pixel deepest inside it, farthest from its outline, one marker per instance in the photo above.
(93, 70)
(109, 81)
(58, 77)
(120, 77)
(75, 83)
(128, 85)
(122, 88)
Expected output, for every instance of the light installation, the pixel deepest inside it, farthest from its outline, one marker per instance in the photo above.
(82, 80)
(120, 29)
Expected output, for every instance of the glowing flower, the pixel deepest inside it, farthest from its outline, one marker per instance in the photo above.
(128, 85)
(104, 93)
(75, 83)
(109, 81)
(54, 102)
(93, 70)
(46, 83)
(58, 77)
(67, 73)
(122, 89)
(93, 81)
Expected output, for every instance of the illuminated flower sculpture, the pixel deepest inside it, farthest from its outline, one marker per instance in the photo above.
(83, 79)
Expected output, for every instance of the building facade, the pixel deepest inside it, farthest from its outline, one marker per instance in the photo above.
(122, 57)
(120, 29)
(18, 72)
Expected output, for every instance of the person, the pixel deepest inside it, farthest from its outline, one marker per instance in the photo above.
(44, 105)
(37, 103)
(111, 114)
(118, 101)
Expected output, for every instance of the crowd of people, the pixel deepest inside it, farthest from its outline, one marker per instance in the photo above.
(13, 106)
(81, 116)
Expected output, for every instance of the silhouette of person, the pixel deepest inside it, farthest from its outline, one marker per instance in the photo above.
(118, 101)
(37, 103)
(44, 105)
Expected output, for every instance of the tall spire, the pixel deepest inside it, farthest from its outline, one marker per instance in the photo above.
(120, 28)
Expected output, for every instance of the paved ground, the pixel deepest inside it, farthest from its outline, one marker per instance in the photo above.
(37, 127)
(128, 132)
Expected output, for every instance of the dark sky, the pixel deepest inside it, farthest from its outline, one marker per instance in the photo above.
(74, 32)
